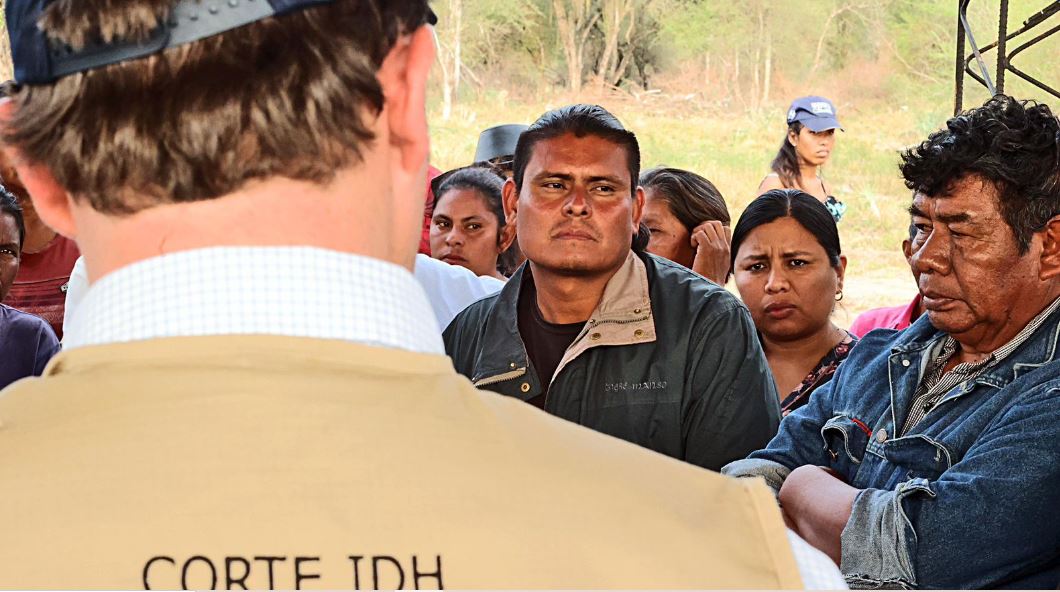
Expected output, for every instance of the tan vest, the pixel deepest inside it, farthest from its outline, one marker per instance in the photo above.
(274, 462)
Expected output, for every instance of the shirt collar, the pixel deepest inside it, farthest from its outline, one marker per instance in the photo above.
(289, 291)
(946, 347)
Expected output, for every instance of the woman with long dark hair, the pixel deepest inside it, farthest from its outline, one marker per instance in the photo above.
(468, 227)
(806, 148)
(789, 269)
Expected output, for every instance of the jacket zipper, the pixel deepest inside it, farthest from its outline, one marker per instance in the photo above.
(618, 322)
(521, 371)
(500, 377)
(589, 326)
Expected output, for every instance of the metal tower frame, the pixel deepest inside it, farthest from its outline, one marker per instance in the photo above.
(1004, 60)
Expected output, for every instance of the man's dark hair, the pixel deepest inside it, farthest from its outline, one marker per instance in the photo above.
(692, 199)
(1014, 145)
(9, 206)
(482, 181)
(806, 209)
(582, 121)
(289, 96)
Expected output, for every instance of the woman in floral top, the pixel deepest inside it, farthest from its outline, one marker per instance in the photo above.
(789, 267)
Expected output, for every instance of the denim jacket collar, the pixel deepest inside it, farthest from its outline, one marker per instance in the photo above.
(1040, 348)
(910, 355)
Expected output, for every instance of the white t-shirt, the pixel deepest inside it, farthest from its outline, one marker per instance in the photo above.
(451, 288)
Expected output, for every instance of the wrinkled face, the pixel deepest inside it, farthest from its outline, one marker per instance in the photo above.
(812, 147)
(10, 253)
(786, 281)
(669, 237)
(465, 232)
(575, 214)
(967, 261)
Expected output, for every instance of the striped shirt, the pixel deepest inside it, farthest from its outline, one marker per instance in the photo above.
(936, 382)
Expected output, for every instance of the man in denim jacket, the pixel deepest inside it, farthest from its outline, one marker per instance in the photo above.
(932, 459)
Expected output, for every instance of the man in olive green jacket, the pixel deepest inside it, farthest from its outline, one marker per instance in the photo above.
(626, 343)
(254, 393)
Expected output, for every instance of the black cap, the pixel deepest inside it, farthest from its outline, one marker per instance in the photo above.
(498, 141)
(40, 61)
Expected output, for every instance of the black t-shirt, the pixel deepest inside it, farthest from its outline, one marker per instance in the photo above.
(545, 342)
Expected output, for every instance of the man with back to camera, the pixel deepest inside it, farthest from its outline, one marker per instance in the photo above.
(931, 458)
(254, 394)
(626, 343)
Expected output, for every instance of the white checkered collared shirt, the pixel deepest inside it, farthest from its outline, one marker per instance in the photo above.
(289, 291)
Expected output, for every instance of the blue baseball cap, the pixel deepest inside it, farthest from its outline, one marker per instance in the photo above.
(38, 60)
(816, 113)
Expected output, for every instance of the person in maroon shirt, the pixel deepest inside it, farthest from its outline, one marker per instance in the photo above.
(47, 259)
(428, 212)
(26, 341)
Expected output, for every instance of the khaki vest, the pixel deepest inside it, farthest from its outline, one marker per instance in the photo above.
(274, 462)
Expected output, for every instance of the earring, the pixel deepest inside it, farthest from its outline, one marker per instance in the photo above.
(839, 295)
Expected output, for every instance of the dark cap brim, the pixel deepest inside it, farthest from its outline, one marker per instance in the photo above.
(820, 124)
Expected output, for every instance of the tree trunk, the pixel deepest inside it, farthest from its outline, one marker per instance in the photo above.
(768, 69)
(756, 85)
(630, 40)
(449, 56)
(575, 24)
(569, 38)
(767, 64)
(447, 87)
(817, 55)
(619, 25)
(736, 77)
(456, 8)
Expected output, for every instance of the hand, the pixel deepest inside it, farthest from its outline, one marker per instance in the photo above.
(711, 241)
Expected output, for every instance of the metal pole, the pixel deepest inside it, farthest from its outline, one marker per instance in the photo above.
(1002, 59)
(978, 56)
(958, 100)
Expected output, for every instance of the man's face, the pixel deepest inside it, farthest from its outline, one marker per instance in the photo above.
(967, 263)
(575, 214)
(10, 253)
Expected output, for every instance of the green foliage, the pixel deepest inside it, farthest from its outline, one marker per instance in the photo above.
(687, 28)
(888, 65)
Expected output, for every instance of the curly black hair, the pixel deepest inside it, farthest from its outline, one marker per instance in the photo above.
(1015, 145)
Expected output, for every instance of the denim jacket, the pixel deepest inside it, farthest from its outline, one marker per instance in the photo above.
(968, 498)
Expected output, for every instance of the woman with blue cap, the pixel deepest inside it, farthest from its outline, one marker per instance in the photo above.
(806, 148)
